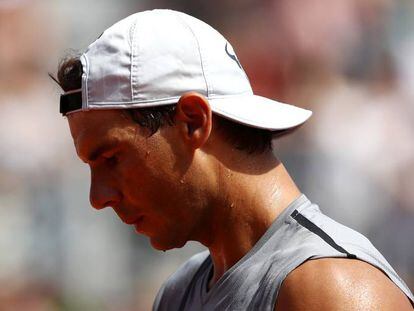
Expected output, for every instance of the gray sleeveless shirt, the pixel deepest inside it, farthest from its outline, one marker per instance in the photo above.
(301, 232)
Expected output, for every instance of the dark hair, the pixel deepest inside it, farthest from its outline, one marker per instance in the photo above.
(252, 140)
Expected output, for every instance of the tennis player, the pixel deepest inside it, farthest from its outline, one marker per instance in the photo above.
(178, 145)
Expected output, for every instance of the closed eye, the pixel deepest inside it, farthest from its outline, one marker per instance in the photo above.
(111, 160)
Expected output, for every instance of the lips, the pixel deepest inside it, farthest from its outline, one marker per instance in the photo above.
(137, 225)
(132, 221)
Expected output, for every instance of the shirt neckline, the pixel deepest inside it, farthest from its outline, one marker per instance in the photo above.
(204, 294)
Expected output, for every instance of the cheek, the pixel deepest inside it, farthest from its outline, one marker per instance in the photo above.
(152, 176)
(145, 183)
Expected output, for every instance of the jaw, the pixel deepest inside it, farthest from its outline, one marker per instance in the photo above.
(165, 244)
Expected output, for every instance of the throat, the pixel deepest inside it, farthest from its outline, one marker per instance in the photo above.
(244, 213)
(239, 238)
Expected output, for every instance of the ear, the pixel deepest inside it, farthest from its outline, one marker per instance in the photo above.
(194, 119)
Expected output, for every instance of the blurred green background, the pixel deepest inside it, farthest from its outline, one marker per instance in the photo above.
(350, 61)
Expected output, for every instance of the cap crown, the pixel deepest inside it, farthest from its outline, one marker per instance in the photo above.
(153, 57)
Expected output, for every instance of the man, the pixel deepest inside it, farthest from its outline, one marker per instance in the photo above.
(162, 111)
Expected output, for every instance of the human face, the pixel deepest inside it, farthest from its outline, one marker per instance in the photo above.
(146, 180)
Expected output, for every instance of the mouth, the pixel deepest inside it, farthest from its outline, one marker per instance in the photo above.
(133, 221)
(137, 225)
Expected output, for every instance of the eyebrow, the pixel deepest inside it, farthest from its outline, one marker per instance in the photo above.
(96, 152)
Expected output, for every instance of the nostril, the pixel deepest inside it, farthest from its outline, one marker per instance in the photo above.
(101, 192)
(101, 199)
(98, 201)
(109, 204)
(96, 204)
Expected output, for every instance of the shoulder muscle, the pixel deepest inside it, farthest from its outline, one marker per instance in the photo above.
(339, 284)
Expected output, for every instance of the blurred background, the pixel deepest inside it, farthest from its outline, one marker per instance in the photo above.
(350, 61)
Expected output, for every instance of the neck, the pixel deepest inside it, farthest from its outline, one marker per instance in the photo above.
(246, 208)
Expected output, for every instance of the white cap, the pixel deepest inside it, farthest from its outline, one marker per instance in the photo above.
(153, 57)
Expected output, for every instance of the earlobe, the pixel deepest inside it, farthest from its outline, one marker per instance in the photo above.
(194, 118)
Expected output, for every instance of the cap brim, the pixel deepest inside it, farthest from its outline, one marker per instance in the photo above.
(260, 112)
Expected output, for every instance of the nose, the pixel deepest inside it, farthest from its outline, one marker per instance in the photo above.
(102, 193)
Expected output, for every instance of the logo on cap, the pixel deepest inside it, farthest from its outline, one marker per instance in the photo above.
(233, 56)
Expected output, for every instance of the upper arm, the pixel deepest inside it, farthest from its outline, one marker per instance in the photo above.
(339, 284)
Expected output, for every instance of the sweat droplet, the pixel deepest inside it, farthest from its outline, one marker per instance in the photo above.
(181, 181)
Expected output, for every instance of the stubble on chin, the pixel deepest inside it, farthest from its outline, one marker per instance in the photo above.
(166, 244)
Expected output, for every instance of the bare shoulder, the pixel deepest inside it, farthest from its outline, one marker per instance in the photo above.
(339, 284)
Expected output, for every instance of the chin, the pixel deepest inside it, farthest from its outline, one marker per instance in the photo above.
(164, 245)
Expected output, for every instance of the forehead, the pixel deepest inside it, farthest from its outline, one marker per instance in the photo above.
(89, 129)
(99, 120)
